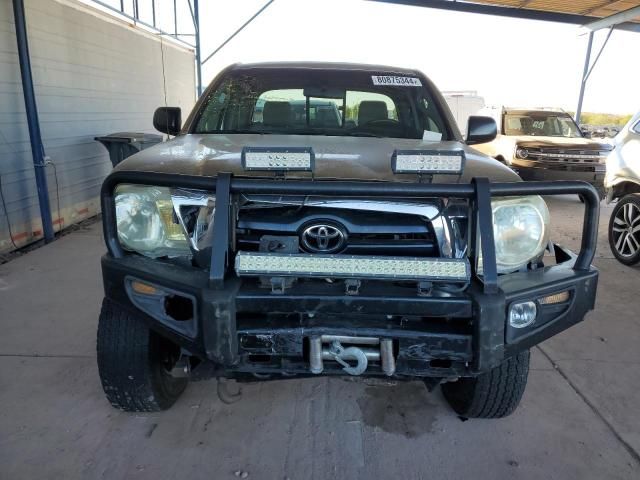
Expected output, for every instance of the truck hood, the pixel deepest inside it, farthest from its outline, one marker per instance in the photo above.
(336, 157)
(560, 142)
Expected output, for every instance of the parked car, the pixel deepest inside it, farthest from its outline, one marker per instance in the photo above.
(547, 145)
(623, 184)
(259, 247)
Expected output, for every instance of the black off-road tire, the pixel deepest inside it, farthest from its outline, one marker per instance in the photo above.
(134, 363)
(494, 394)
(625, 215)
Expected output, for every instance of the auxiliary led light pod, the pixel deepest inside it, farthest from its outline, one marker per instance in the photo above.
(428, 161)
(285, 159)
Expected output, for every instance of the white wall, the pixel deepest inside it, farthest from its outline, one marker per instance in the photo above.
(463, 105)
(93, 75)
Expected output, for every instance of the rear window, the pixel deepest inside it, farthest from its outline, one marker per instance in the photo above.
(307, 102)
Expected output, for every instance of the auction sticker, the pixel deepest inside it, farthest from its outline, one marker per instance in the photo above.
(396, 81)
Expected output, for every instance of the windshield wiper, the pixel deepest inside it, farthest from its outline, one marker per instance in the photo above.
(292, 132)
(235, 131)
(362, 134)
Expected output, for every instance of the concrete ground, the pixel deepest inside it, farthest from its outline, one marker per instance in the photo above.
(579, 418)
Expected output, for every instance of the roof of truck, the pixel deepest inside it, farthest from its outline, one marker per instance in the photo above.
(534, 111)
(324, 66)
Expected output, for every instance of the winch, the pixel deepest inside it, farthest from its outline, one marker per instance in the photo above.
(353, 353)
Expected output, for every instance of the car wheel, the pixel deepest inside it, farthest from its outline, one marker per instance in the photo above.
(624, 230)
(134, 363)
(494, 394)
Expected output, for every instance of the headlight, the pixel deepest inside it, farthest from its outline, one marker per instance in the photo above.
(145, 222)
(522, 152)
(520, 231)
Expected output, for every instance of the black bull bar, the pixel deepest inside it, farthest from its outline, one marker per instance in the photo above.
(478, 192)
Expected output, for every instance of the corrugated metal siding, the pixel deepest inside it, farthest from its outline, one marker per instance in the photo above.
(93, 75)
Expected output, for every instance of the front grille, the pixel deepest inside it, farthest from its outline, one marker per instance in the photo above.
(365, 232)
(562, 155)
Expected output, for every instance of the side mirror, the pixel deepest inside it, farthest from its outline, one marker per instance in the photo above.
(481, 130)
(586, 134)
(168, 120)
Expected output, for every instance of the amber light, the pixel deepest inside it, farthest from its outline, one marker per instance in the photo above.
(143, 288)
(555, 298)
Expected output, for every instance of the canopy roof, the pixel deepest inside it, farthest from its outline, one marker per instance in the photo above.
(578, 12)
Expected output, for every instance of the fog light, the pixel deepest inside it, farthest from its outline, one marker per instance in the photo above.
(522, 314)
(555, 298)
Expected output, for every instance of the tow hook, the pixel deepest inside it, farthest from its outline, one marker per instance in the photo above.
(344, 349)
(341, 354)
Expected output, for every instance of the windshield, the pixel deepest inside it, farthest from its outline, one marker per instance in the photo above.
(541, 124)
(311, 102)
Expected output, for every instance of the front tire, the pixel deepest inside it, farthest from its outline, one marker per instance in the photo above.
(134, 363)
(624, 230)
(494, 394)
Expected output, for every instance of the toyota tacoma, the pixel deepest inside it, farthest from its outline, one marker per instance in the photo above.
(342, 228)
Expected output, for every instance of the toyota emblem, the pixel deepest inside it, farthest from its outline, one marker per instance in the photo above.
(323, 238)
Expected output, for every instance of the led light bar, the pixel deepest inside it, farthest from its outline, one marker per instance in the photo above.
(351, 266)
(428, 161)
(278, 159)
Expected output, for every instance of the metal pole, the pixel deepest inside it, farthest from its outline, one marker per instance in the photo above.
(37, 150)
(196, 13)
(237, 31)
(583, 84)
(175, 19)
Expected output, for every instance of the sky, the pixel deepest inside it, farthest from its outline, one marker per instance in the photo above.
(507, 61)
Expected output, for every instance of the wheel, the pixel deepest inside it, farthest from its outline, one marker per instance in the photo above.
(134, 363)
(624, 229)
(494, 394)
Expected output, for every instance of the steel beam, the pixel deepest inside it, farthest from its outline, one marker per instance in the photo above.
(583, 82)
(614, 20)
(196, 26)
(237, 31)
(37, 149)
(588, 69)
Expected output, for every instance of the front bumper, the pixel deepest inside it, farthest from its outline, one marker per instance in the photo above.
(246, 329)
(242, 328)
(540, 171)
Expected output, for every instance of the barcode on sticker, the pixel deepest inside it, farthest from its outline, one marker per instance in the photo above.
(396, 81)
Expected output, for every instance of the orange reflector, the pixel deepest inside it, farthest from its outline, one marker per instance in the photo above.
(143, 288)
(555, 298)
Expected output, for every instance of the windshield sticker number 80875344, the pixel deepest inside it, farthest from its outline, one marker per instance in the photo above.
(396, 81)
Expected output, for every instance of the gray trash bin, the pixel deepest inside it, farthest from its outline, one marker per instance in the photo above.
(124, 144)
